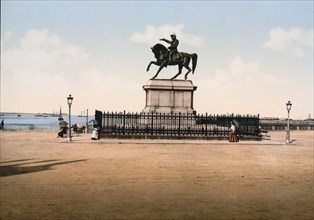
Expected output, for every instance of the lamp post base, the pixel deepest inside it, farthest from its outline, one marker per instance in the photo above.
(288, 138)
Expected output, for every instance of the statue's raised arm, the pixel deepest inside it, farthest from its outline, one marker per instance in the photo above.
(167, 41)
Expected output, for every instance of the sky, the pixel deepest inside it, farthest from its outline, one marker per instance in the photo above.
(253, 56)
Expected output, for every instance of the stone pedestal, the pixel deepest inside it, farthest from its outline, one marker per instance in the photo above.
(169, 96)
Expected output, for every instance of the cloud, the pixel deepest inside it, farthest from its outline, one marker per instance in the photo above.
(40, 66)
(239, 73)
(295, 41)
(39, 70)
(234, 87)
(42, 52)
(7, 35)
(152, 34)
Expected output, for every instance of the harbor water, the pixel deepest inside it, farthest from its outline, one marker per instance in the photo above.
(14, 121)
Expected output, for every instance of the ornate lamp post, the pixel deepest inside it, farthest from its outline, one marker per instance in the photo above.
(70, 100)
(288, 104)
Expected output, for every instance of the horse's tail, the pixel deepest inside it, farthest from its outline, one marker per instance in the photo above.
(194, 61)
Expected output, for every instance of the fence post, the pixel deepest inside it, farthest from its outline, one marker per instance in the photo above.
(170, 127)
(179, 128)
(123, 128)
(165, 125)
(105, 122)
(247, 124)
(113, 124)
(175, 124)
(152, 125)
(206, 118)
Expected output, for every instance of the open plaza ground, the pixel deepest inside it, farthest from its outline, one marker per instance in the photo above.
(48, 178)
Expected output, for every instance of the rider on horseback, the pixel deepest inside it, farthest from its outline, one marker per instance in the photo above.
(173, 54)
(172, 57)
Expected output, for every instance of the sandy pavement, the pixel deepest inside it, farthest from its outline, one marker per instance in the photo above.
(44, 177)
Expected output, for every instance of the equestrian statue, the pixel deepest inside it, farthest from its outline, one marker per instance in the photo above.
(172, 57)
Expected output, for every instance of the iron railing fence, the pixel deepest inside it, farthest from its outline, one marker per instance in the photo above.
(175, 125)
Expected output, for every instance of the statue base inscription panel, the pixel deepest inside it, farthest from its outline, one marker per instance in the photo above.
(169, 96)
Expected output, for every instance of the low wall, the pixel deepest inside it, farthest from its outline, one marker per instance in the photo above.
(181, 137)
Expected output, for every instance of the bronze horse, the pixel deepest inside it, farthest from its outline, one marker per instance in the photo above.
(163, 60)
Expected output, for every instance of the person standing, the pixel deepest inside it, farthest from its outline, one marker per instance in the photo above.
(2, 124)
(233, 133)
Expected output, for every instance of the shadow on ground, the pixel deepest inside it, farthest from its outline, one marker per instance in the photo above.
(20, 168)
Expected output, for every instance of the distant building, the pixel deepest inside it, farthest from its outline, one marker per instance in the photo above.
(272, 123)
